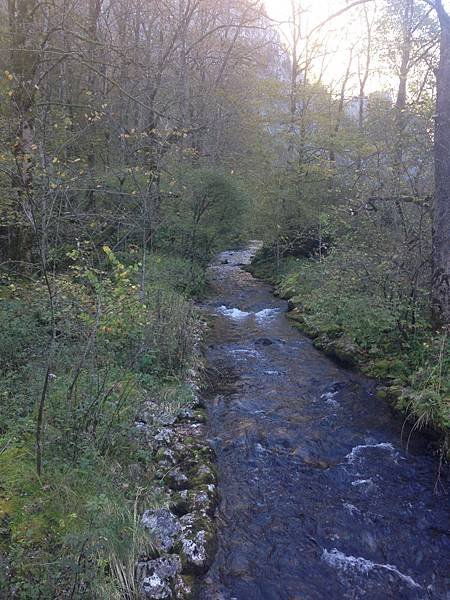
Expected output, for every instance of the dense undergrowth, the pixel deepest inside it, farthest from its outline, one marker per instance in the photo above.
(342, 303)
(91, 342)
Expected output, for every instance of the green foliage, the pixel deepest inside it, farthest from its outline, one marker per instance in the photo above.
(122, 334)
(175, 273)
(343, 298)
(80, 516)
(204, 210)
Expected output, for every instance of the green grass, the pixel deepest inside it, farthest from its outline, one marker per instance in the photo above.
(73, 532)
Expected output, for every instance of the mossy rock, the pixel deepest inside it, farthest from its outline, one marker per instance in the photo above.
(296, 315)
(382, 393)
(165, 457)
(194, 453)
(347, 351)
(343, 349)
(200, 415)
(186, 587)
(195, 415)
(333, 331)
(177, 479)
(196, 545)
(158, 578)
(179, 503)
(205, 474)
(388, 368)
(396, 392)
(202, 500)
(299, 321)
(285, 293)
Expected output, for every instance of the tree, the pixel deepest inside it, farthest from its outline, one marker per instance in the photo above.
(22, 17)
(440, 288)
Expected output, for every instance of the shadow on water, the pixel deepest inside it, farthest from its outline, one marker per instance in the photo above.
(319, 500)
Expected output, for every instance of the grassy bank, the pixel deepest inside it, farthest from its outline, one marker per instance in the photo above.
(368, 327)
(81, 351)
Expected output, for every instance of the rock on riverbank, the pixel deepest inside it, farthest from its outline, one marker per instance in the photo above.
(182, 533)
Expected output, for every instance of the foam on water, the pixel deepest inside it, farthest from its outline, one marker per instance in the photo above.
(267, 313)
(233, 313)
(342, 562)
(329, 398)
(351, 508)
(357, 450)
(358, 482)
(237, 314)
(245, 351)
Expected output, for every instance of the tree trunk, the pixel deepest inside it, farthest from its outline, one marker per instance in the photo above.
(440, 289)
(340, 112)
(402, 92)
(24, 61)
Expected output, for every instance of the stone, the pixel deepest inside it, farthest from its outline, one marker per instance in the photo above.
(163, 527)
(158, 578)
(184, 587)
(264, 341)
(154, 414)
(342, 348)
(203, 499)
(176, 479)
(179, 502)
(196, 542)
(204, 475)
(199, 402)
(165, 457)
(186, 414)
(164, 436)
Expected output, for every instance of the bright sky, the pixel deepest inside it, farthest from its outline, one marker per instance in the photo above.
(340, 35)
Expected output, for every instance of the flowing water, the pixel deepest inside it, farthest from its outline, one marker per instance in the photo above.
(319, 498)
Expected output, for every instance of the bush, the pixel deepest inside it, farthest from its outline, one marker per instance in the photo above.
(204, 211)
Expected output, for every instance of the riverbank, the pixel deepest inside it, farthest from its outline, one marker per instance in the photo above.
(410, 363)
(181, 528)
(115, 410)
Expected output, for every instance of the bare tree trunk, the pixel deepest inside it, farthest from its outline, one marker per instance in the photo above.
(293, 92)
(340, 111)
(95, 7)
(440, 289)
(24, 61)
(400, 104)
(363, 78)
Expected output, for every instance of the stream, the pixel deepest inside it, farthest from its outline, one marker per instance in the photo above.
(319, 498)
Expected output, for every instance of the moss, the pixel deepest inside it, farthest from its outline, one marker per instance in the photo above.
(197, 544)
(200, 415)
